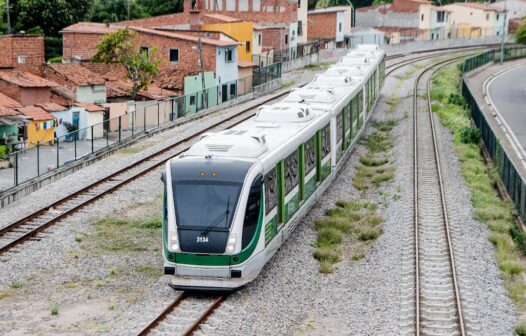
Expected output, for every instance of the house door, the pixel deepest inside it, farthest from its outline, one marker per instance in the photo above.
(224, 93)
(75, 121)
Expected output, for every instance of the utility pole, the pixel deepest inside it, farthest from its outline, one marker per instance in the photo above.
(205, 100)
(8, 9)
(503, 39)
(128, 3)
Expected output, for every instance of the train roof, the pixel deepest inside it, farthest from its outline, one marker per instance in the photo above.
(279, 127)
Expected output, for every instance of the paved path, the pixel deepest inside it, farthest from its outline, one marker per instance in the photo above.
(508, 93)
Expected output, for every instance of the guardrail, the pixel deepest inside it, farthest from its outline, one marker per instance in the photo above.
(512, 179)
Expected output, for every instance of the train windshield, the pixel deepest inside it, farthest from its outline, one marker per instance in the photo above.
(205, 205)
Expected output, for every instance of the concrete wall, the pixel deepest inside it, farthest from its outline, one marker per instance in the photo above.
(225, 71)
(375, 18)
(91, 94)
(302, 16)
(241, 31)
(340, 23)
(516, 8)
(95, 119)
(33, 96)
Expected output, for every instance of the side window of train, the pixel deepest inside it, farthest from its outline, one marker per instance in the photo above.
(292, 170)
(339, 126)
(271, 190)
(310, 155)
(250, 222)
(325, 141)
(347, 113)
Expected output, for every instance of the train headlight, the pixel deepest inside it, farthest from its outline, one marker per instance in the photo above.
(174, 242)
(231, 244)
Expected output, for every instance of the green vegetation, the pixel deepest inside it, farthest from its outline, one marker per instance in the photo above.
(317, 66)
(135, 149)
(16, 285)
(287, 84)
(141, 66)
(481, 179)
(352, 220)
(520, 35)
(53, 309)
(521, 329)
(126, 235)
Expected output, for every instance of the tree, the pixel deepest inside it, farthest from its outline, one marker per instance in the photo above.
(50, 15)
(520, 35)
(141, 66)
(161, 7)
(116, 10)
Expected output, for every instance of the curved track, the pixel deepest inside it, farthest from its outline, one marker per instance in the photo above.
(30, 226)
(432, 300)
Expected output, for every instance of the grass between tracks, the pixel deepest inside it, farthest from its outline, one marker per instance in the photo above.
(482, 180)
(357, 222)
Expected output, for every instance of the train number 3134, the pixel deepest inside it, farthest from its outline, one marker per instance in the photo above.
(202, 239)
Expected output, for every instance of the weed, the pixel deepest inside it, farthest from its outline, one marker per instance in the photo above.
(360, 184)
(520, 330)
(53, 309)
(112, 305)
(385, 125)
(378, 142)
(370, 161)
(317, 66)
(329, 254)
(126, 235)
(358, 255)
(383, 177)
(328, 236)
(78, 239)
(4, 294)
(134, 149)
(148, 270)
(511, 267)
(364, 171)
(287, 84)
(16, 285)
(326, 267)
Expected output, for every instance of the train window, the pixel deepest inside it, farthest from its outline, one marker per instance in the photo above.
(325, 141)
(250, 221)
(339, 126)
(310, 155)
(291, 171)
(347, 113)
(271, 194)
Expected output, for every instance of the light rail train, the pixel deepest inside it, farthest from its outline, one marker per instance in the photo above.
(235, 196)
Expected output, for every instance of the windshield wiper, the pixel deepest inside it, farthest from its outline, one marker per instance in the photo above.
(218, 219)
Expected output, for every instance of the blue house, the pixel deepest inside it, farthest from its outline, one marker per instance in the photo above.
(74, 118)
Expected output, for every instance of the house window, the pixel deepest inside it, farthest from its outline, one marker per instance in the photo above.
(174, 55)
(259, 40)
(286, 38)
(300, 28)
(232, 89)
(498, 16)
(247, 46)
(340, 27)
(192, 100)
(228, 55)
(487, 16)
(441, 16)
(422, 18)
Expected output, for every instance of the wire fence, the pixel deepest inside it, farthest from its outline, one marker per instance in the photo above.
(46, 156)
(514, 182)
(288, 54)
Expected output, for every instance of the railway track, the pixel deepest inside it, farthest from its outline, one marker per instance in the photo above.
(431, 299)
(29, 227)
(184, 316)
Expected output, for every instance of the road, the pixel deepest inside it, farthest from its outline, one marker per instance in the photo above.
(508, 93)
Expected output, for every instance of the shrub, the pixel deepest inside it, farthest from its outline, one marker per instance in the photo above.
(57, 59)
(4, 150)
(469, 135)
(456, 99)
(519, 238)
(53, 309)
(511, 267)
(521, 329)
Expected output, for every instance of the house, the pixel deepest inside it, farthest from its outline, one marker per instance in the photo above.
(40, 125)
(69, 119)
(10, 120)
(95, 116)
(364, 36)
(88, 87)
(515, 9)
(303, 27)
(179, 52)
(24, 52)
(327, 24)
(473, 19)
(25, 87)
(439, 26)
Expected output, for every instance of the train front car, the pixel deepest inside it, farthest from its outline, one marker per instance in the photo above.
(212, 215)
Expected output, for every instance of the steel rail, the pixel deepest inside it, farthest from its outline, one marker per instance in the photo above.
(460, 320)
(114, 176)
(155, 322)
(204, 315)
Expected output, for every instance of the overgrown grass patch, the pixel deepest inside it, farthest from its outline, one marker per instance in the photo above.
(371, 161)
(481, 179)
(117, 234)
(350, 220)
(287, 84)
(317, 66)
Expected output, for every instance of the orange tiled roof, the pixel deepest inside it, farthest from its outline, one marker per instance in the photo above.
(172, 79)
(8, 102)
(25, 79)
(90, 107)
(219, 43)
(121, 88)
(7, 112)
(90, 27)
(222, 17)
(77, 74)
(52, 107)
(35, 113)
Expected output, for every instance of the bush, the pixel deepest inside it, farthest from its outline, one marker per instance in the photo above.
(4, 150)
(519, 238)
(456, 99)
(469, 135)
(521, 329)
(57, 59)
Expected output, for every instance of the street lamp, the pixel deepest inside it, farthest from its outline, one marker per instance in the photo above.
(503, 34)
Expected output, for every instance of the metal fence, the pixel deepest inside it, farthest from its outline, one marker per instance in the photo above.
(514, 183)
(286, 55)
(28, 163)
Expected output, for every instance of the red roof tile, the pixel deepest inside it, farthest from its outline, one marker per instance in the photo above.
(90, 27)
(219, 43)
(35, 113)
(25, 79)
(7, 112)
(76, 74)
(8, 102)
(90, 107)
(172, 79)
(52, 107)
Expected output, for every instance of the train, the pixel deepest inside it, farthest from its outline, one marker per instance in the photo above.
(235, 196)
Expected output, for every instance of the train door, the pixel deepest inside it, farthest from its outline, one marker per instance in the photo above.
(309, 167)
(271, 204)
(292, 191)
(325, 152)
